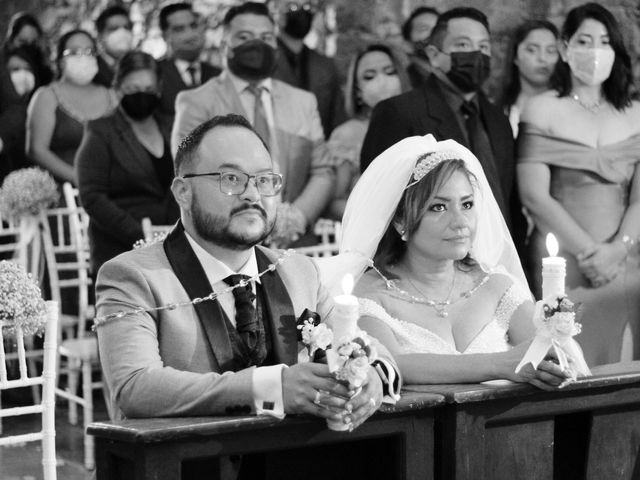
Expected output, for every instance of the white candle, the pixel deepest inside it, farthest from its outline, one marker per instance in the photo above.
(346, 313)
(554, 269)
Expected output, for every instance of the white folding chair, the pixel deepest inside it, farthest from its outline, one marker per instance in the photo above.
(68, 267)
(329, 233)
(47, 379)
(152, 232)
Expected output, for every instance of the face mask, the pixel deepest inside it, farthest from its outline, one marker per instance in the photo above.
(298, 23)
(591, 65)
(139, 105)
(253, 60)
(469, 70)
(23, 81)
(80, 69)
(118, 42)
(380, 88)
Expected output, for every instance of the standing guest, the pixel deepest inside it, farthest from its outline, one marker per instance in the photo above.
(285, 117)
(416, 32)
(375, 74)
(451, 103)
(124, 164)
(57, 112)
(306, 68)
(236, 354)
(24, 29)
(114, 41)
(580, 178)
(531, 61)
(23, 70)
(181, 68)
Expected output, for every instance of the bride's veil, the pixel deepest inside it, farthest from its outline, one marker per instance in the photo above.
(374, 199)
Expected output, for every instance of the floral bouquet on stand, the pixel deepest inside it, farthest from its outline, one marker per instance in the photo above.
(21, 303)
(347, 351)
(27, 192)
(556, 324)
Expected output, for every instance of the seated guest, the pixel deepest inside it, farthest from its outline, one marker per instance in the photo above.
(305, 67)
(532, 58)
(447, 294)
(181, 66)
(24, 70)
(114, 40)
(285, 117)
(416, 31)
(375, 74)
(236, 353)
(124, 164)
(579, 165)
(58, 112)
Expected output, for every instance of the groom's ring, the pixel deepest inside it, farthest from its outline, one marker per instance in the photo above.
(316, 400)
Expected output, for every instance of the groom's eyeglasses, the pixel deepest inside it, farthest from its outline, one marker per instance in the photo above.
(235, 183)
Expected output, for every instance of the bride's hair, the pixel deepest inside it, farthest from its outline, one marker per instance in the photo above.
(412, 207)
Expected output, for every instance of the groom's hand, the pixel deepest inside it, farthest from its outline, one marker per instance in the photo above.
(365, 403)
(311, 388)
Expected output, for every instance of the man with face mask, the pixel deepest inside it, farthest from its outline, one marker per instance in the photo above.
(285, 117)
(181, 67)
(452, 105)
(305, 68)
(114, 40)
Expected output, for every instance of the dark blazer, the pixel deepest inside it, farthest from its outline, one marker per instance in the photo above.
(172, 84)
(13, 116)
(320, 77)
(119, 186)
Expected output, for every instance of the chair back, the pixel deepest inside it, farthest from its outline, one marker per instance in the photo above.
(47, 379)
(328, 233)
(151, 231)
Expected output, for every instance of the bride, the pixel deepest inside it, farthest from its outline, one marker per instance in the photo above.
(445, 293)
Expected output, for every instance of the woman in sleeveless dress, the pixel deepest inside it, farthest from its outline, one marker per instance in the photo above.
(58, 112)
(579, 178)
(446, 293)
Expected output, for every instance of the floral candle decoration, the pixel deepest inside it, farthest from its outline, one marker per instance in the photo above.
(554, 270)
(346, 313)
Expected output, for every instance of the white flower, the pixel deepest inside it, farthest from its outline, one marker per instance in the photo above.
(562, 324)
(354, 371)
(21, 302)
(27, 191)
(321, 336)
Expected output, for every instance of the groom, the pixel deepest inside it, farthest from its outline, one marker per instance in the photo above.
(236, 354)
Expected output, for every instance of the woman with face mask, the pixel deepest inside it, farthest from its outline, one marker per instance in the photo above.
(58, 112)
(375, 73)
(124, 166)
(579, 177)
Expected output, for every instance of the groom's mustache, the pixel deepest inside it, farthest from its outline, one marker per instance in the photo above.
(248, 206)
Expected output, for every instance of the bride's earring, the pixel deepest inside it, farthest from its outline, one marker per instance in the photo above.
(403, 235)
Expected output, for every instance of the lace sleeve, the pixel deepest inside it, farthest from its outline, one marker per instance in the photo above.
(513, 297)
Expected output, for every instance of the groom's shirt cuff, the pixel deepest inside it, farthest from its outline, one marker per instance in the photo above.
(267, 390)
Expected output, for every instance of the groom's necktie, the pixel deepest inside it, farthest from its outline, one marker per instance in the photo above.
(247, 323)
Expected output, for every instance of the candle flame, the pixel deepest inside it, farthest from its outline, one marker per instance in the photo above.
(552, 245)
(347, 284)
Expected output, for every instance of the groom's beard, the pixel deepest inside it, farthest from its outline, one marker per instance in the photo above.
(222, 231)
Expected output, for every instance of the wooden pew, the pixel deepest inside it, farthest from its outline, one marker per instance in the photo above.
(397, 442)
(589, 429)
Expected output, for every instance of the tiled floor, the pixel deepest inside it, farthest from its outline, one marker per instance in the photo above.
(23, 462)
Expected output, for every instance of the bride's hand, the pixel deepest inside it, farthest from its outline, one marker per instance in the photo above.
(548, 376)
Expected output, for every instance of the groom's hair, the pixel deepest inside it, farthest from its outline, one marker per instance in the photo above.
(188, 149)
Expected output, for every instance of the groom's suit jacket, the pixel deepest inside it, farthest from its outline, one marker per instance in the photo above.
(171, 362)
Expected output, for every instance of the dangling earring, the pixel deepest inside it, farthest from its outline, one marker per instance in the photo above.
(403, 235)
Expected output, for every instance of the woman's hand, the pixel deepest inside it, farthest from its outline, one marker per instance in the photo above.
(548, 376)
(602, 264)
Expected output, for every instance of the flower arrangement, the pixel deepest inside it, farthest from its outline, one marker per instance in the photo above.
(21, 303)
(557, 316)
(27, 192)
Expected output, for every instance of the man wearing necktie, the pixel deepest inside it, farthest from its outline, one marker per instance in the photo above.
(285, 117)
(236, 354)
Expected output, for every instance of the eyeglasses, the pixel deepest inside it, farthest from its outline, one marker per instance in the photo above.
(85, 52)
(235, 183)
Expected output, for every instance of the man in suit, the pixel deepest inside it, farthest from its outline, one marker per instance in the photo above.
(305, 68)
(284, 116)
(114, 40)
(452, 105)
(237, 353)
(181, 68)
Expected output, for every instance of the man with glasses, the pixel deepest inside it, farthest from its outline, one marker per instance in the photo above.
(237, 354)
(304, 67)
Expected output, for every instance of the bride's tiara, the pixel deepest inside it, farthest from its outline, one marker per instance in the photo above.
(429, 161)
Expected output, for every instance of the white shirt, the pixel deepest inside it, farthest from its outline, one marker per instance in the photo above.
(183, 65)
(248, 100)
(267, 381)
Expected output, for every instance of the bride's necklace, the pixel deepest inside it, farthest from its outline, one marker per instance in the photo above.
(593, 107)
(439, 307)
